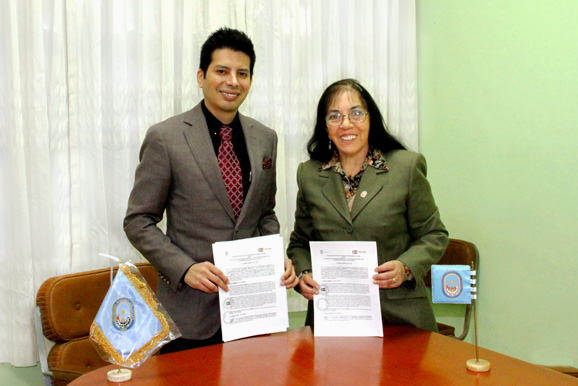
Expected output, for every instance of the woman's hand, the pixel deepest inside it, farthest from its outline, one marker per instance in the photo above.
(390, 274)
(308, 286)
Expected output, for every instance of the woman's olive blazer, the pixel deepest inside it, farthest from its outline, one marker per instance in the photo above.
(393, 207)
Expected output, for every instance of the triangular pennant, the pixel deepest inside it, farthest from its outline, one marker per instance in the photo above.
(130, 324)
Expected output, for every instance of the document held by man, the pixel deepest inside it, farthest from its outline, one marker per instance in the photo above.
(348, 301)
(256, 302)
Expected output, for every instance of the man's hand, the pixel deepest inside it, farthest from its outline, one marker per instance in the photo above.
(289, 279)
(206, 277)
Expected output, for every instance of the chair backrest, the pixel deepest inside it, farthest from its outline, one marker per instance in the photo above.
(458, 252)
(66, 307)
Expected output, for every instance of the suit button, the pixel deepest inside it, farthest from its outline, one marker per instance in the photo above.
(349, 229)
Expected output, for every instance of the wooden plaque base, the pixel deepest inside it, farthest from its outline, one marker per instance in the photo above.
(478, 365)
(119, 375)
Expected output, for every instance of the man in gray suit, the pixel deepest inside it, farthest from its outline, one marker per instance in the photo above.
(181, 172)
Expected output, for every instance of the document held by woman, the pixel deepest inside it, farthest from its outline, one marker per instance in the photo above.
(348, 301)
(256, 302)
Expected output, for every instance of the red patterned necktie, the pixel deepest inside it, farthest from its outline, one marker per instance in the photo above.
(231, 170)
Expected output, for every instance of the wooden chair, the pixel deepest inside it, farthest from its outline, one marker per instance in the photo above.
(65, 308)
(458, 252)
(568, 370)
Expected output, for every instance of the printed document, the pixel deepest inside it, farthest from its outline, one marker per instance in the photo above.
(348, 301)
(256, 302)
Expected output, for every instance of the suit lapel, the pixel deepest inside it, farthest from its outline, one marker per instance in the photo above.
(196, 134)
(371, 184)
(333, 191)
(254, 150)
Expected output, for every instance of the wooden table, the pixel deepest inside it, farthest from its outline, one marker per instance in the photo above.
(405, 356)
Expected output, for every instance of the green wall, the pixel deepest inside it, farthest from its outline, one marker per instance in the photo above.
(498, 91)
(20, 376)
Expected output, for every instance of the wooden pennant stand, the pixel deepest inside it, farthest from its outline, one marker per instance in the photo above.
(477, 364)
(120, 375)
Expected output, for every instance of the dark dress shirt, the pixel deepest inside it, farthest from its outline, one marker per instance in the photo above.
(238, 140)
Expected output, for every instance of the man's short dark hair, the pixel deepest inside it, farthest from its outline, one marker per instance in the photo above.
(226, 38)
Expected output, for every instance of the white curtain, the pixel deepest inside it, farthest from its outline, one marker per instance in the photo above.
(81, 81)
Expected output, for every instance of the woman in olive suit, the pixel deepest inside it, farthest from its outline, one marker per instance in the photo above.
(360, 184)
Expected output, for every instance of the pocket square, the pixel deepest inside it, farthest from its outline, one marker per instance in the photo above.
(267, 163)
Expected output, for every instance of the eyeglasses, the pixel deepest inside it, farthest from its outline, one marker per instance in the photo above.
(356, 116)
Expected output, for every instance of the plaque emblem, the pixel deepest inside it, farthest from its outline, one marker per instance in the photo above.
(123, 314)
(452, 284)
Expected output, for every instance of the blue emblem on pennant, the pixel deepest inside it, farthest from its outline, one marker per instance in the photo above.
(451, 284)
(123, 314)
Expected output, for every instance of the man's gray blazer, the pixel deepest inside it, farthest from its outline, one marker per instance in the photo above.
(179, 172)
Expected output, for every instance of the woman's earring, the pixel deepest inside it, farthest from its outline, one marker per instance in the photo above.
(329, 147)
